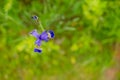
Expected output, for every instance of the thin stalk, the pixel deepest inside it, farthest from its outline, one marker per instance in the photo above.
(40, 25)
(35, 18)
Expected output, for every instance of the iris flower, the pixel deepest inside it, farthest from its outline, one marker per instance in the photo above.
(44, 36)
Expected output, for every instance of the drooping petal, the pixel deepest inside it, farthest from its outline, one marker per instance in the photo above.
(51, 33)
(37, 50)
(38, 42)
(44, 36)
(34, 33)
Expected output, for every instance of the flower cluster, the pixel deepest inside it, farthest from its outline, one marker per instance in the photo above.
(46, 35)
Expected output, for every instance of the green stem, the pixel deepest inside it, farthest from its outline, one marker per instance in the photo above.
(41, 26)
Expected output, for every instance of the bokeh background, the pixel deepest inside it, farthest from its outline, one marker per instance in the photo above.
(86, 44)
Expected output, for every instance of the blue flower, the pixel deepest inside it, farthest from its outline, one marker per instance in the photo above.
(34, 17)
(37, 50)
(44, 36)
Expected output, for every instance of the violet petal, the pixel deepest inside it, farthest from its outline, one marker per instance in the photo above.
(44, 36)
(34, 33)
(38, 42)
(37, 50)
(51, 33)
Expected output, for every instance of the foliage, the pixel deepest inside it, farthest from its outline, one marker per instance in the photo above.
(85, 34)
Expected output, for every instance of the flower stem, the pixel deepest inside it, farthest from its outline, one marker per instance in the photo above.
(40, 25)
(36, 20)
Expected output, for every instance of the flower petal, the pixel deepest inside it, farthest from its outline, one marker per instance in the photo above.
(38, 42)
(44, 36)
(34, 33)
(51, 33)
(37, 50)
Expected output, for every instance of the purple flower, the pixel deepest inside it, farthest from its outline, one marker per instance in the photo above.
(34, 17)
(37, 50)
(44, 36)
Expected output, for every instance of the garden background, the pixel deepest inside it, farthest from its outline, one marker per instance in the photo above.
(86, 44)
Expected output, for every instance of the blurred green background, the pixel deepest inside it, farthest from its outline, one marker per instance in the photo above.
(86, 44)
